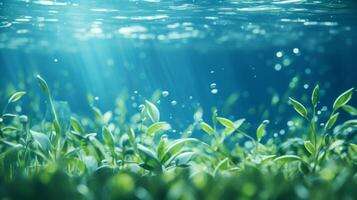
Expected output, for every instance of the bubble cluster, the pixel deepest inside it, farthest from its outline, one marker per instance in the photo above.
(214, 90)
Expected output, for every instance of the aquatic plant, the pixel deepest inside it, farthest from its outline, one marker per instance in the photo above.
(104, 159)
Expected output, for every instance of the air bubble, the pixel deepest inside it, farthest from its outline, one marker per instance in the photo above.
(277, 67)
(324, 108)
(165, 93)
(296, 51)
(213, 85)
(282, 132)
(173, 103)
(18, 108)
(214, 91)
(279, 54)
(307, 71)
(290, 123)
(248, 144)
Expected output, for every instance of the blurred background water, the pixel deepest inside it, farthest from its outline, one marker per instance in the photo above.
(255, 53)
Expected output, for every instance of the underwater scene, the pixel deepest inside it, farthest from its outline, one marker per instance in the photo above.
(178, 99)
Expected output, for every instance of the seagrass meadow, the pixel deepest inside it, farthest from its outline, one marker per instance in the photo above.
(178, 100)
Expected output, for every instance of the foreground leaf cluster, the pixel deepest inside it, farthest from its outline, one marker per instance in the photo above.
(102, 158)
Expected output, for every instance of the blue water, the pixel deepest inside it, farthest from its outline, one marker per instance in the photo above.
(200, 52)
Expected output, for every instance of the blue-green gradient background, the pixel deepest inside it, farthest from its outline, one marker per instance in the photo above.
(108, 48)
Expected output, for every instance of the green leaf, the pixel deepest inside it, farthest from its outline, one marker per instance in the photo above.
(226, 132)
(131, 136)
(42, 140)
(267, 158)
(226, 122)
(353, 147)
(346, 125)
(16, 96)
(9, 115)
(350, 123)
(220, 165)
(239, 123)
(158, 126)
(343, 99)
(98, 115)
(261, 129)
(76, 126)
(326, 140)
(331, 121)
(107, 116)
(100, 148)
(312, 132)
(152, 111)
(77, 135)
(43, 85)
(10, 152)
(148, 157)
(90, 135)
(176, 146)
(299, 107)
(315, 95)
(184, 158)
(8, 129)
(350, 109)
(230, 126)
(336, 144)
(46, 90)
(309, 147)
(11, 144)
(287, 159)
(214, 116)
(148, 167)
(108, 137)
(207, 128)
(162, 146)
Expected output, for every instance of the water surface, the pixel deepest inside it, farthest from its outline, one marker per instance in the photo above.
(200, 52)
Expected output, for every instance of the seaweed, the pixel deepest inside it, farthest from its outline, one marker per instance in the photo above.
(136, 159)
